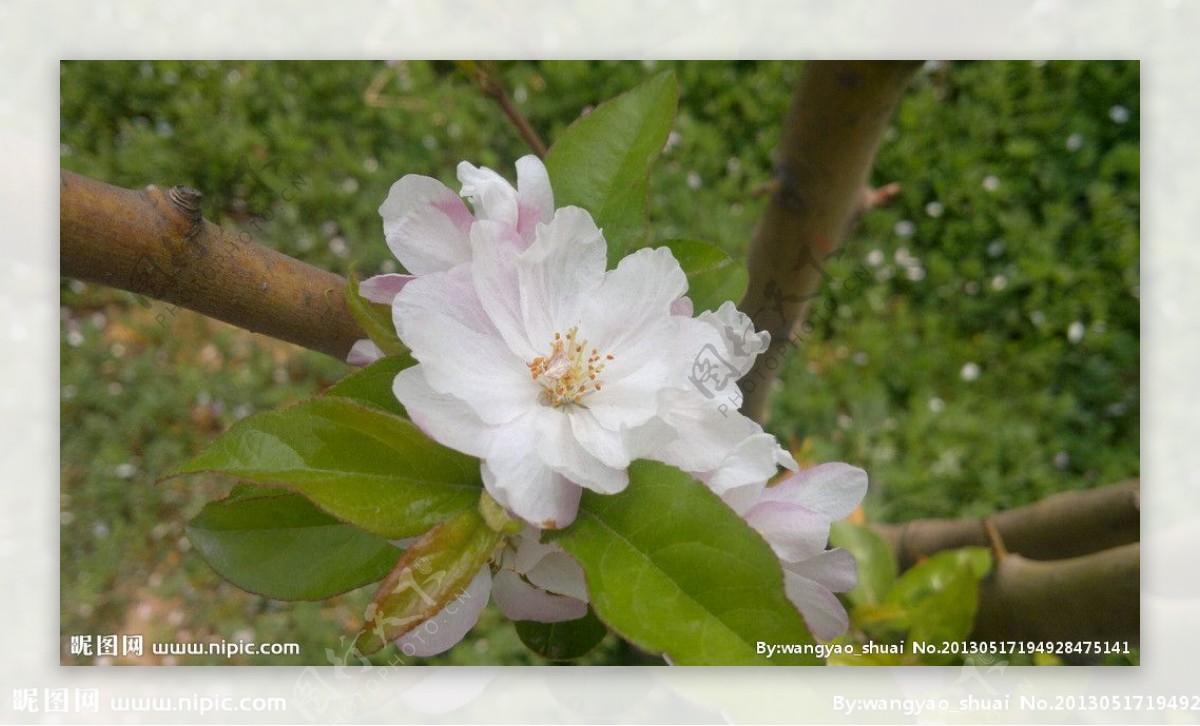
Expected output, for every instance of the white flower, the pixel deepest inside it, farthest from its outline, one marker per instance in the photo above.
(557, 374)
(534, 581)
(428, 226)
(794, 516)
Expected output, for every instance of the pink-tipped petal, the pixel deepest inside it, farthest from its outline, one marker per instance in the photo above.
(534, 195)
(834, 489)
(795, 533)
(822, 611)
(426, 225)
(834, 569)
(383, 289)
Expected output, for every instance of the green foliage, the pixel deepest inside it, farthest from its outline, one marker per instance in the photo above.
(602, 162)
(362, 465)
(563, 641)
(373, 384)
(931, 603)
(713, 276)
(279, 545)
(699, 600)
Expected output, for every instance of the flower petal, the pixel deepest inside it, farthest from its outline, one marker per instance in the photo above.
(822, 611)
(519, 600)
(444, 418)
(519, 480)
(442, 631)
(383, 289)
(495, 277)
(755, 459)
(641, 289)
(729, 448)
(559, 573)
(535, 198)
(558, 447)
(426, 225)
(557, 272)
(363, 353)
(682, 306)
(833, 489)
(740, 344)
(441, 319)
(795, 533)
(490, 195)
(834, 569)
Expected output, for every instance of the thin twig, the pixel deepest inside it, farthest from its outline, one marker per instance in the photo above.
(487, 77)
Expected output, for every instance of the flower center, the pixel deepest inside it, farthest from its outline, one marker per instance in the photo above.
(570, 372)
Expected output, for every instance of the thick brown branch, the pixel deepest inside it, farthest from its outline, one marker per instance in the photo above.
(1063, 525)
(1089, 598)
(155, 243)
(838, 114)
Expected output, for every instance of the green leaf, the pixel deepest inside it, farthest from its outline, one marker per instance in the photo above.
(375, 319)
(434, 570)
(876, 566)
(602, 161)
(941, 594)
(281, 546)
(674, 570)
(373, 385)
(713, 276)
(362, 465)
(563, 641)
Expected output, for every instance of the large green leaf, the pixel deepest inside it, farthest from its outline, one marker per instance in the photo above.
(602, 161)
(373, 384)
(566, 640)
(713, 276)
(362, 465)
(281, 546)
(434, 570)
(675, 571)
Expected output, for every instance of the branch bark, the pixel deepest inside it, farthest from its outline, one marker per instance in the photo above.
(1088, 598)
(156, 243)
(1063, 525)
(838, 114)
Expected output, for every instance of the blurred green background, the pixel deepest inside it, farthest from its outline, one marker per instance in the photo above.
(991, 359)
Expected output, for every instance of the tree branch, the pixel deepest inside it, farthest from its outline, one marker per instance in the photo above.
(838, 114)
(1063, 525)
(488, 78)
(156, 243)
(1088, 598)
